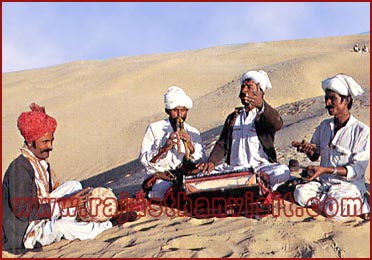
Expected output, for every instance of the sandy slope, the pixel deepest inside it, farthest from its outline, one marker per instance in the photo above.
(103, 107)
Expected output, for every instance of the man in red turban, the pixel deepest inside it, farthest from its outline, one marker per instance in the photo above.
(33, 214)
(34, 125)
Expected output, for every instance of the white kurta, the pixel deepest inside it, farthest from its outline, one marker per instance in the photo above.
(156, 136)
(349, 147)
(247, 150)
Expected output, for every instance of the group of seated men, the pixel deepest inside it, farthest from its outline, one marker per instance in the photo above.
(247, 140)
(356, 48)
(341, 142)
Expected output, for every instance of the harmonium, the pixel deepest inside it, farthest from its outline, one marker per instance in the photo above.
(222, 193)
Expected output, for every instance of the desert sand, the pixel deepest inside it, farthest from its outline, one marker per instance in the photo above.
(103, 108)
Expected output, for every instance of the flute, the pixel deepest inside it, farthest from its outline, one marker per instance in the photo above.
(180, 128)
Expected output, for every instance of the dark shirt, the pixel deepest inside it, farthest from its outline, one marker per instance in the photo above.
(19, 203)
(266, 124)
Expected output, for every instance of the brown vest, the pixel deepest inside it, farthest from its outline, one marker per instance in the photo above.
(266, 124)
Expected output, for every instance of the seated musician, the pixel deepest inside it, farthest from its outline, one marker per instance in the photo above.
(30, 191)
(247, 138)
(169, 145)
(342, 143)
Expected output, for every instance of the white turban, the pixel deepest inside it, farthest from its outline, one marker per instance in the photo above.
(259, 76)
(343, 85)
(175, 96)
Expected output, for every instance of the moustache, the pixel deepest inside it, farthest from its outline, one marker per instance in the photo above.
(328, 107)
(47, 150)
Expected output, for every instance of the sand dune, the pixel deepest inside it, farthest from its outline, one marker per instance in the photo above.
(103, 107)
(90, 97)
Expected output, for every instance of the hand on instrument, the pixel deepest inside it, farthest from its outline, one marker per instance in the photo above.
(305, 147)
(186, 138)
(173, 140)
(205, 167)
(76, 200)
(81, 197)
(314, 171)
(169, 144)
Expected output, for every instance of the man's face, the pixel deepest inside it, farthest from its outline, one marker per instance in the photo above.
(247, 89)
(334, 104)
(42, 146)
(178, 112)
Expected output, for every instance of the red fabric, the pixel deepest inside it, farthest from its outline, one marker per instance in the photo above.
(35, 123)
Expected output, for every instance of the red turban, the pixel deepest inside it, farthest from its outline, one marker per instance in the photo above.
(36, 123)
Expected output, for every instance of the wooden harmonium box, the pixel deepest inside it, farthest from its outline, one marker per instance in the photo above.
(221, 191)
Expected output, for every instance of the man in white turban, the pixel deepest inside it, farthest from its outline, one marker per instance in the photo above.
(166, 148)
(247, 138)
(342, 144)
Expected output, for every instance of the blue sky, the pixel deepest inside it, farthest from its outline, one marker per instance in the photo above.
(37, 35)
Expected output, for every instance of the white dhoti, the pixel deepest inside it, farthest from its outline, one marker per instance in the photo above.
(337, 201)
(159, 189)
(54, 229)
(278, 173)
(69, 229)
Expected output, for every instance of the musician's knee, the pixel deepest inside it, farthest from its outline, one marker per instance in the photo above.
(303, 195)
(279, 174)
(75, 185)
(159, 189)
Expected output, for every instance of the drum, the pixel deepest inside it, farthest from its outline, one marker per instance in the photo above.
(101, 206)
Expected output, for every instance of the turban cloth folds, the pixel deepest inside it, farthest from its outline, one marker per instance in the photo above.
(35, 123)
(175, 97)
(258, 76)
(343, 85)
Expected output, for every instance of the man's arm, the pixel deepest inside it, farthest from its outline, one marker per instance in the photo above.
(315, 171)
(270, 117)
(198, 153)
(220, 148)
(150, 150)
(360, 156)
(162, 150)
(311, 150)
(22, 194)
(153, 152)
